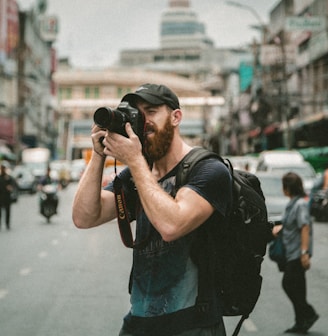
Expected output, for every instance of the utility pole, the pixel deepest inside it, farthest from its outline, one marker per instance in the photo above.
(284, 88)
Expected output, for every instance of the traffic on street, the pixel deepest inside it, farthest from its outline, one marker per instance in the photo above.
(58, 280)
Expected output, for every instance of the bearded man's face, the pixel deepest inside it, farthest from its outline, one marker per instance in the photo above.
(157, 145)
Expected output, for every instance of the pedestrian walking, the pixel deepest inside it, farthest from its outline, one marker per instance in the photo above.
(298, 244)
(7, 186)
(165, 274)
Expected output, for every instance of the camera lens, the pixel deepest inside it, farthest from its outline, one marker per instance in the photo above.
(103, 117)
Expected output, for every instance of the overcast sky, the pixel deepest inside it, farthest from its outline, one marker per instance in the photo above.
(93, 32)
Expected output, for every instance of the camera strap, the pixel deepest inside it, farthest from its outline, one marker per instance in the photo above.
(122, 212)
(123, 217)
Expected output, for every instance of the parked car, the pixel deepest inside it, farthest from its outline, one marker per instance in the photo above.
(60, 172)
(77, 168)
(275, 199)
(25, 179)
(304, 170)
(282, 162)
(271, 158)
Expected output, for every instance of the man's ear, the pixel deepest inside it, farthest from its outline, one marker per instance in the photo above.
(176, 117)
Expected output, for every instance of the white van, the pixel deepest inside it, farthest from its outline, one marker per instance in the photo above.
(282, 162)
(278, 157)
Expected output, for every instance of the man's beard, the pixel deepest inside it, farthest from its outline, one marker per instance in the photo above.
(157, 146)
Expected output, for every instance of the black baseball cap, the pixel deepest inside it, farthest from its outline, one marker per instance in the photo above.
(154, 94)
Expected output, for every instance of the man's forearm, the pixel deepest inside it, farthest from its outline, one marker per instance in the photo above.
(87, 200)
(305, 237)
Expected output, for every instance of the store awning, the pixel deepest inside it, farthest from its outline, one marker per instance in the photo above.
(308, 120)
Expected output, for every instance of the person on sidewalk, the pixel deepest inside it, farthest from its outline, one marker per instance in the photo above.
(298, 243)
(7, 185)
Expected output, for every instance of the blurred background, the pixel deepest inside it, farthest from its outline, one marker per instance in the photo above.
(252, 79)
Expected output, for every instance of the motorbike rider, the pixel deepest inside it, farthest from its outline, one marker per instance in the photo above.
(318, 197)
(44, 181)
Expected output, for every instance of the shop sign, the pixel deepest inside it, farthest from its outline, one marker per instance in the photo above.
(308, 23)
(49, 28)
(7, 130)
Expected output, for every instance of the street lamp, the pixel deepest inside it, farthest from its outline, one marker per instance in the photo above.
(249, 8)
(262, 26)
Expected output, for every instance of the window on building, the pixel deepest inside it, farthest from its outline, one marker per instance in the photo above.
(159, 58)
(123, 91)
(192, 57)
(65, 93)
(120, 92)
(91, 92)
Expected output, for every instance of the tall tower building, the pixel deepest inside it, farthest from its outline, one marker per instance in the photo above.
(180, 27)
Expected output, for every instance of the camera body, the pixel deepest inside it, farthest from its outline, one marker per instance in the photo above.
(115, 120)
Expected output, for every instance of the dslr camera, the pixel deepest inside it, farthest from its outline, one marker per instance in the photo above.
(115, 120)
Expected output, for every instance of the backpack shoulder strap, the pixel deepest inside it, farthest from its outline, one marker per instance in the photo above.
(189, 161)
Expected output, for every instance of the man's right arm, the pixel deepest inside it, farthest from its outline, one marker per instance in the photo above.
(93, 206)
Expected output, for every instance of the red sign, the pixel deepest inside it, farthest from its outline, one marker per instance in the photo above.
(9, 28)
(7, 130)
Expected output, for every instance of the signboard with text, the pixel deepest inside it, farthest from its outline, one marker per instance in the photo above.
(49, 28)
(9, 29)
(7, 130)
(307, 23)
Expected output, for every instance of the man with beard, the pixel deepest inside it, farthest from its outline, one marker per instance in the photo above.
(171, 252)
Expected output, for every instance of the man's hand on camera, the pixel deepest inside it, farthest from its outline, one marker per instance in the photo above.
(122, 148)
(97, 135)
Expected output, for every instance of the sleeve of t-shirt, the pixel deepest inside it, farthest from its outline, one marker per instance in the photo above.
(124, 175)
(211, 179)
(303, 214)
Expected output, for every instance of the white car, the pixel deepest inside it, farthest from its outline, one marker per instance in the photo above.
(304, 170)
(275, 199)
(271, 158)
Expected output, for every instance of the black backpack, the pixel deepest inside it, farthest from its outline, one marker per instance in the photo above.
(239, 242)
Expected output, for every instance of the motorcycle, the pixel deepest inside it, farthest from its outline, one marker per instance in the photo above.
(48, 200)
(319, 205)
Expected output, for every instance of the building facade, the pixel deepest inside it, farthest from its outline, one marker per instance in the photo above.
(27, 96)
(81, 92)
(186, 50)
(268, 95)
(288, 99)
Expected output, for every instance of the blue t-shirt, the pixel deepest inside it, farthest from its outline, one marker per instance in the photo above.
(295, 216)
(164, 274)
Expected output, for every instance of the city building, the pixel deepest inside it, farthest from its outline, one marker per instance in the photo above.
(270, 94)
(27, 61)
(288, 98)
(187, 62)
(9, 35)
(186, 50)
(81, 92)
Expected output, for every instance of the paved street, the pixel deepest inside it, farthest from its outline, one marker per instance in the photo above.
(58, 280)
